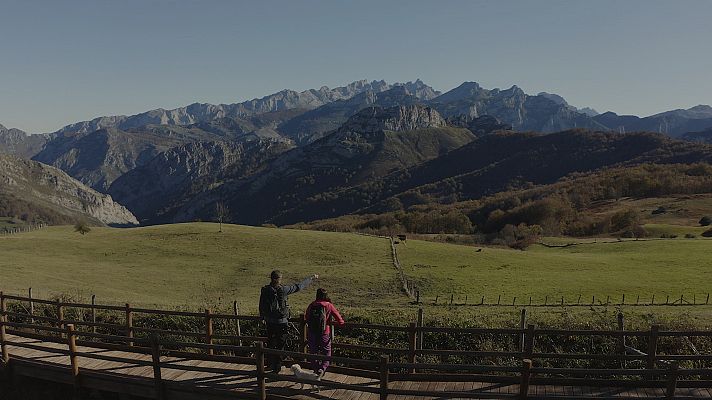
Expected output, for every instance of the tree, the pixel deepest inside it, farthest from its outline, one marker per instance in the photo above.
(222, 212)
(706, 221)
(82, 227)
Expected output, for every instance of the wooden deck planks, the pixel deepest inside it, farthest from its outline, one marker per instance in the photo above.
(224, 381)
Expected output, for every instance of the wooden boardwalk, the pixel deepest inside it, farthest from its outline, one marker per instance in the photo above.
(132, 373)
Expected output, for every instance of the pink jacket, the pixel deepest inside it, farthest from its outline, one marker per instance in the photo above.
(332, 314)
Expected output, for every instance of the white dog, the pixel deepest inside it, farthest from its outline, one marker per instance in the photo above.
(306, 375)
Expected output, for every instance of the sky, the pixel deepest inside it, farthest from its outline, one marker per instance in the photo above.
(69, 61)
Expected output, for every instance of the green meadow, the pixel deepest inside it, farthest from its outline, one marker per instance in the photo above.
(194, 266)
(590, 269)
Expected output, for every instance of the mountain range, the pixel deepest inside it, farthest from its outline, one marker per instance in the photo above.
(367, 146)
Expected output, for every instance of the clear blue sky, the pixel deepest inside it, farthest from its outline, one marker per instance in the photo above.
(66, 61)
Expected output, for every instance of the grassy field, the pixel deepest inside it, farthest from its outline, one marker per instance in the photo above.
(660, 267)
(193, 264)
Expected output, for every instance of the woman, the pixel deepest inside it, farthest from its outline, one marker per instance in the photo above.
(320, 315)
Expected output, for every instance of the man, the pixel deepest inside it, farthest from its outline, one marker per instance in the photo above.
(274, 311)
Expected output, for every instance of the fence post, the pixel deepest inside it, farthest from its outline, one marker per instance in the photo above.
(417, 297)
(129, 324)
(384, 377)
(72, 343)
(156, 359)
(32, 306)
(621, 339)
(672, 380)
(412, 330)
(420, 325)
(60, 315)
(3, 320)
(236, 311)
(302, 333)
(209, 330)
(522, 326)
(529, 342)
(93, 312)
(652, 347)
(526, 375)
(260, 361)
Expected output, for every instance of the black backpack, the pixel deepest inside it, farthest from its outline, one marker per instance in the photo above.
(316, 320)
(273, 304)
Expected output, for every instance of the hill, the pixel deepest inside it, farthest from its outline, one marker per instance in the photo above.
(699, 137)
(500, 163)
(34, 192)
(673, 123)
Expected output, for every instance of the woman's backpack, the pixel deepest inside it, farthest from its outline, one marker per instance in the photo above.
(316, 320)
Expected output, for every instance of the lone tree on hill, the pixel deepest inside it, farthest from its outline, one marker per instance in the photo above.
(82, 227)
(222, 212)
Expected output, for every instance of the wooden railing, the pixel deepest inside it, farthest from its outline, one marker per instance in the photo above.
(522, 367)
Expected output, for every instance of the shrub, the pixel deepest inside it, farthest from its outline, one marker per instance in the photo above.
(707, 233)
(625, 220)
(659, 210)
(689, 236)
(519, 237)
(82, 227)
(634, 231)
(706, 220)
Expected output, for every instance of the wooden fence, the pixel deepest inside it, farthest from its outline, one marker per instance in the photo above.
(563, 301)
(13, 230)
(403, 363)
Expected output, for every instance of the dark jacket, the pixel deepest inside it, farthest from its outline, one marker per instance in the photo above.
(287, 290)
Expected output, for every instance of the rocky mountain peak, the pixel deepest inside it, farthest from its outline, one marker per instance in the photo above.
(554, 97)
(400, 118)
(419, 90)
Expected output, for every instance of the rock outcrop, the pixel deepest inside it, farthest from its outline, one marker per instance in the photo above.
(396, 119)
(49, 191)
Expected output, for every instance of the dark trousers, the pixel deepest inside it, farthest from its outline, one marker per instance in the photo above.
(276, 339)
(320, 344)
